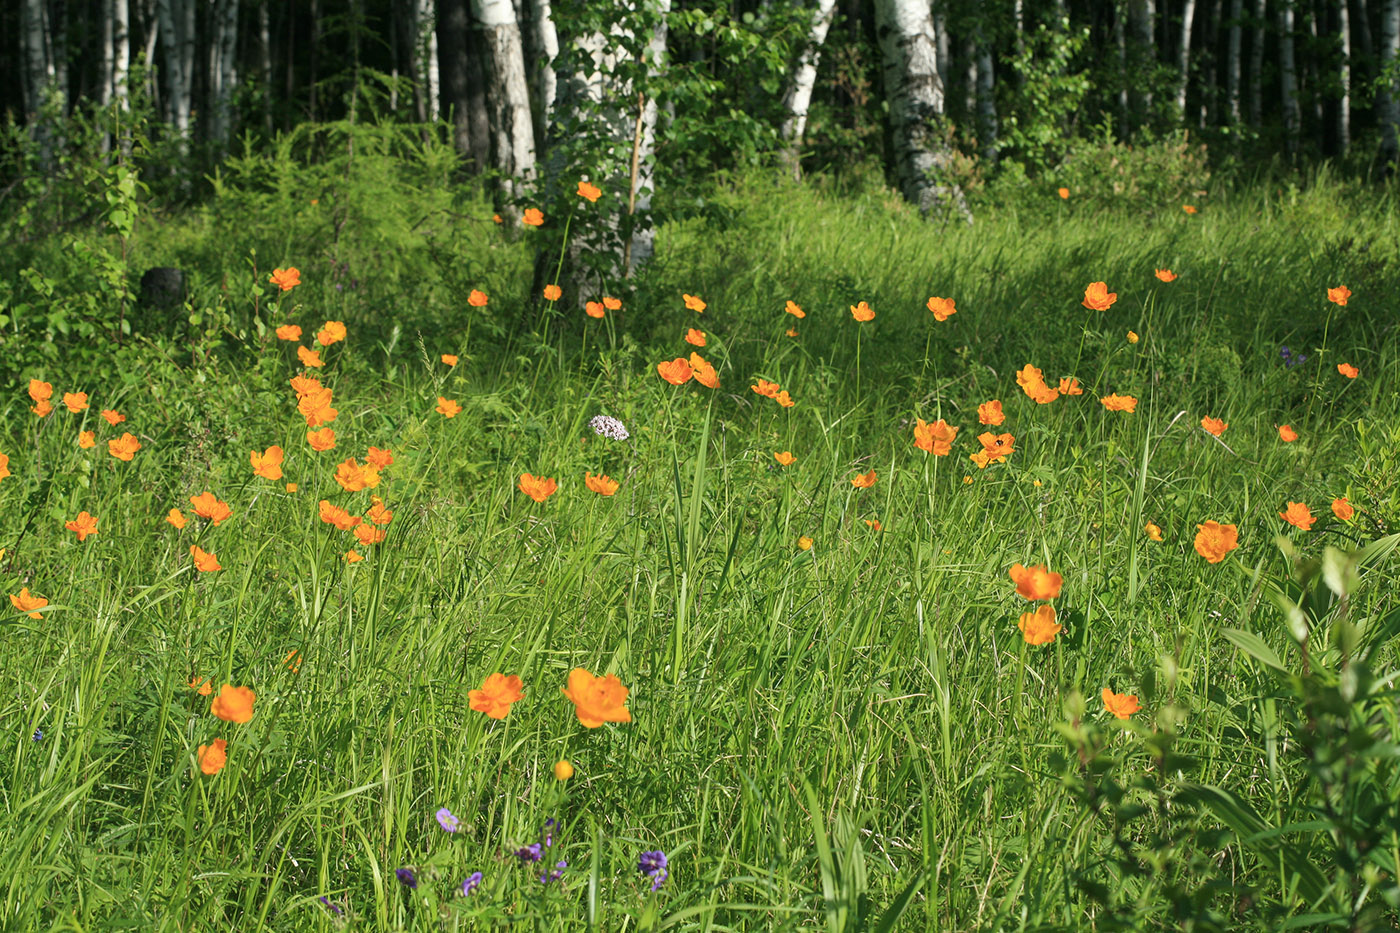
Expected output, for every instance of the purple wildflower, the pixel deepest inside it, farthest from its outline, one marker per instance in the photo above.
(556, 873)
(653, 865)
(331, 905)
(531, 853)
(609, 427)
(447, 821)
(472, 882)
(407, 878)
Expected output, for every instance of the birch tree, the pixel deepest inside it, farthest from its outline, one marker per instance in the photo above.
(38, 57)
(986, 99)
(543, 80)
(1288, 77)
(223, 68)
(1388, 103)
(171, 15)
(426, 59)
(798, 97)
(512, 131)
(1232, 62)
(914, 92)
(1142, 15)
(1344, 79)
(643, 240)
(1183, 57)
(460, 70)
(1256, 66)
(121, 53)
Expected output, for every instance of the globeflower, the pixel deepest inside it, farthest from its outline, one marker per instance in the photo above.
(112, 417)
(330, 332)
(703, 371)
(794, 309)
(863, 480)
(321, 440)
(1214, 540)
(1346, 369)
(1116, 402)
(862, 312)
(1299, 516)
(86, 439)
(204, 561)
(601, 484)
(935, 438)
(538, 488)
(552, 292)
(1339, 295)
(207, 505)
(310, 358)
(942, 308)
(353, 477)
(785, 457)
(990, 413)
(285, 279)
(267, 464)
(1153, 531)
(1287, 434)
(1342, 509)
(335, 515)
(477, 299)
(289, 332)
(124, 447)
(1097, 297)
(534, 217)
(496, 695)
(676, 372)
(1121, 705)
(212, 757)
(589, 191)
(1035, 582)
(696, 338)
(1166, 275)
(1213, 426)
(24, 601)
(597, 699)
(177, 518)
(1039, 627)
(694, 302)
(994, 448)
(82, 526)
(75, 401)
(447, 407)
(233, 704)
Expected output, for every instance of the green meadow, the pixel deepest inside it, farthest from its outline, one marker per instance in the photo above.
(853, 735)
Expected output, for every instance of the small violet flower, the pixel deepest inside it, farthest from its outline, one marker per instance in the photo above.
(556, 874)
(407, 878)
(472, 882)
(447, 821)
(653, 866)
(531, 853)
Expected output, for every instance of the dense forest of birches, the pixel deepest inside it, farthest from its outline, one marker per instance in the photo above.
(819, 81)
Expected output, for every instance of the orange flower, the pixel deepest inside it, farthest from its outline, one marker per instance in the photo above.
(26, 602)
(1153, 531)
(874, 523)
(704, 373)
(597, 699)
(552, 292)
(285, 279)
(82, 526)
(601, 484)
(267, 464)
(352, 477)
(1063, 193)
(1036, 582)
(934, 437)
(310, 358)
(563, 770)
(1132, 337)
(538, 488)
(1032, 382)
(766, 389)
(1339, 295)
(305, 385)
(1097, 297)
(40, 391)
(1287, 434)
(42, 408)
(863, 480)
(177, 518)
(861, 312)
(785, 457)
(207, 505)
(1121, 705)
(321, 440)
(1116, 402)
(76, 401)
(291, 487)
(496, 695)
(1346, 369)
(379, 459)
(353, 556)
(289, 332)
(612, 304)
(447, 407)
(694, 303)
(368, 534)
(795, 310)
(477, 299)
(213, 757)
(1299, 516)
(783, 399)
(204, 561)
(1342, 509)
(1189, 208)
(202, 687)
(87, 439)
(792, 332)
(534, 217)
(330, 332)
(112, 417)
(586, 190)
(1214, 426)
(805, 543)
(233, 704)
(450, 359)
(292, 661)
(994, 448)
(696, 338)
(335, 515)
(377, 513)
(1039, 627)
(593, 308)
(124, 447)
(1166, 275)
(990, 413)
(316, 407)
(942, 308)
(496, 218)
(1214, 540)
(677, 371)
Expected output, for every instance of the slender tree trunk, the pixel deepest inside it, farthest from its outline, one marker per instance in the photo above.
(1120, 39)
(425, 50)
(643, 242)
(1183, 57)
(1142, 58)
(223, 71)
(38, 68)
(1232, 63)
(1256, 66)
(1388, 101)
(512, 129)
(1344, 79)
(1288, 77)
(1313, 57)
(904, 29)
(109, 54)
(944, 56)
(177, 89)
(543, 81)
(804, 78)
(968, 54)
(121, 53)
(452, 31)
(986, 99)
(265, 64)
(1209, 84)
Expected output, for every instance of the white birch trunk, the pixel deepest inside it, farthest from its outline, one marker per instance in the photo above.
(38, 66)
(177, 94)
(1232, 62)
(265, 64)
(1388, 102)
(1344, 80)
(914, 91)
(1120, 38)
(643, 242)
(1256, 67)
(512, 131)
(1183, 58)
(798, 98)
(986, 100)
(121, 53)
(427, 50)
(1288, 77)
(544, 79)
(109, 55)
(223, 72)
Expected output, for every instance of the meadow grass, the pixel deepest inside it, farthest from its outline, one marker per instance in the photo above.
(851, 736)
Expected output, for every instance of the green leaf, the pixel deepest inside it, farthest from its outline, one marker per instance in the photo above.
(1254, 646)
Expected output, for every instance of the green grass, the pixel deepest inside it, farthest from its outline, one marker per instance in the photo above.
(816, 735)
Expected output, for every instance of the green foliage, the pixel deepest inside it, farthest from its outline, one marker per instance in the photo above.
(1046, 98)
